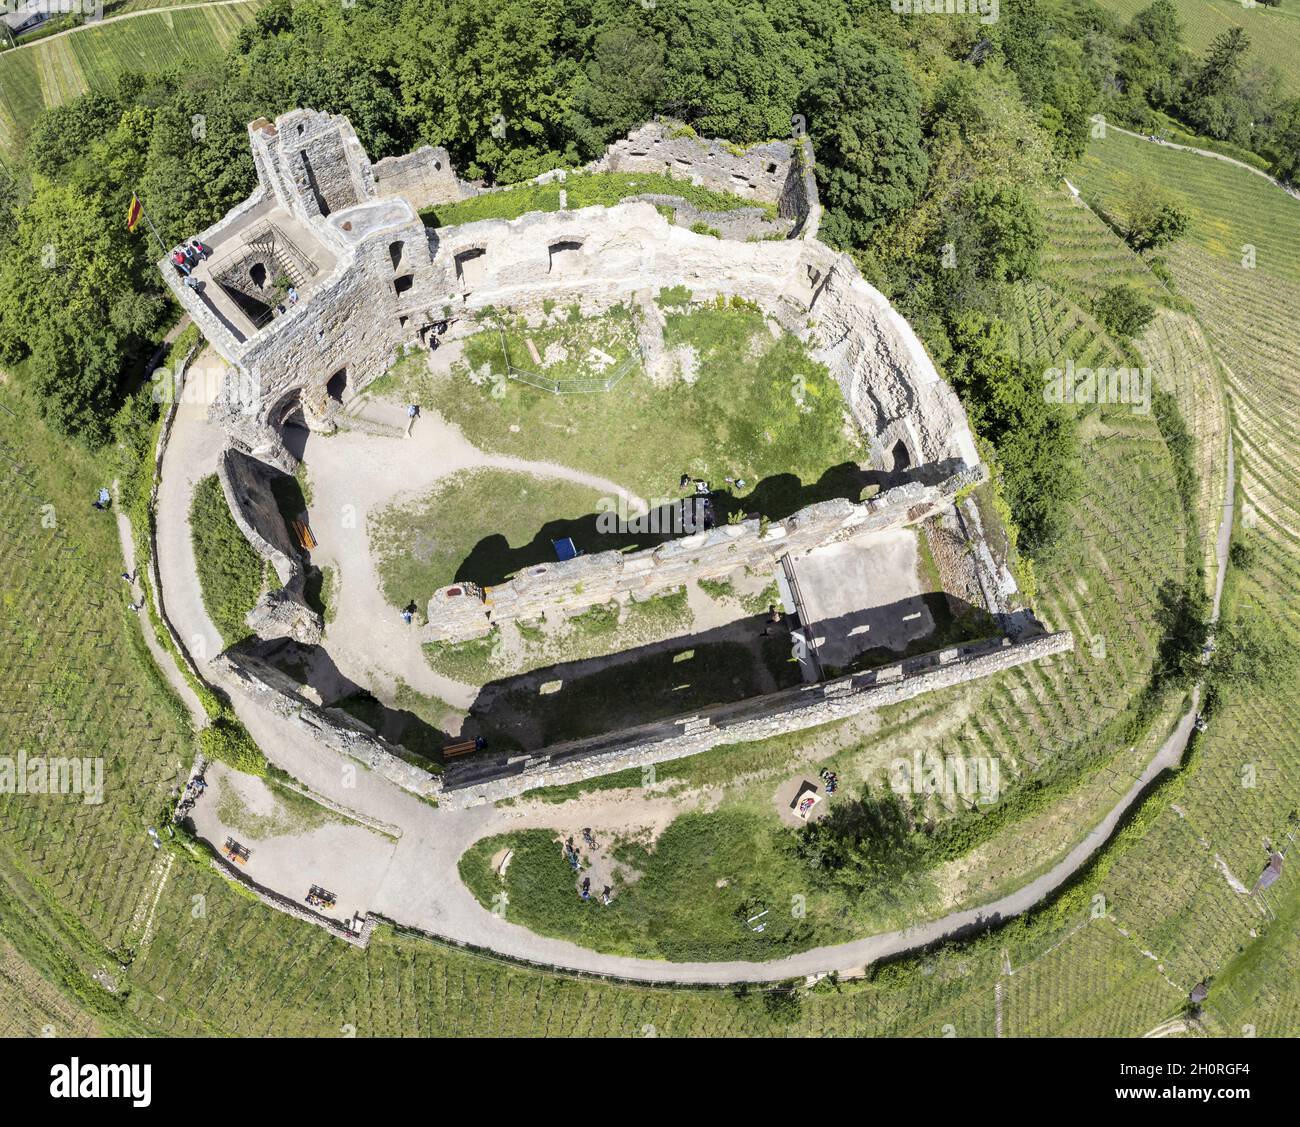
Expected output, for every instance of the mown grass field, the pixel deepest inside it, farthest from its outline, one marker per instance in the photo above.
(96, 56)
(1274, 32)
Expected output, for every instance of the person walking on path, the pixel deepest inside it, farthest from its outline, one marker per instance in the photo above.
(412, 412)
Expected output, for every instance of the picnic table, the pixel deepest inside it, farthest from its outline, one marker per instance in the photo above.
(236, 852)
(319, 897)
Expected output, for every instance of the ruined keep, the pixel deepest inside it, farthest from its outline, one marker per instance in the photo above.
(314, 281)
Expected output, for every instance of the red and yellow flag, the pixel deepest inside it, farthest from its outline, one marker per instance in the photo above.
(134, 212)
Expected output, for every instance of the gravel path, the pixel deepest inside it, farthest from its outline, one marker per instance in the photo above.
(375, 647)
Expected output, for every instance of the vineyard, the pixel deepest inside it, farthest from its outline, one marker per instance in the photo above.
(96, 56)
(1240, 268)
(75, 679)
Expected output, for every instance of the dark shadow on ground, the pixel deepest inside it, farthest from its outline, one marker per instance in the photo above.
(654, 682)
(313, 668)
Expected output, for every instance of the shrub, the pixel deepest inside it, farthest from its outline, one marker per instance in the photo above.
(1123, 311)
(227, 741)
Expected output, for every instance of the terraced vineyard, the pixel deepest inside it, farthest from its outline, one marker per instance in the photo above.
(95, 57)
(75, 680)
(1173, 889)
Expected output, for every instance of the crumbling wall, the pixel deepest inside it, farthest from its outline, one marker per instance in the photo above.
(283, 612)
(462, 611)
(425, 177)
(331, 728)
(313, 163)
(758, 718)
(759, 172)
(246, 484)
(892, 387)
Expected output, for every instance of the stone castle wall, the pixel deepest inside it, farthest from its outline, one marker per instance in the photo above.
(281, 612)
(759, 718)
(246, 484)
(759, 172)
(425, 177)
(332, 728)
(462, 611)
(478, 780)
(892, 388)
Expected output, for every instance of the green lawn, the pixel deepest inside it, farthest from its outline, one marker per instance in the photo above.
(478, 525)
(231, 574)
(759, 409)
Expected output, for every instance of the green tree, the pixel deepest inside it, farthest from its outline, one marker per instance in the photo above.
(1152, 218)
(863, 113)
(1123, 311)
(1036, 441)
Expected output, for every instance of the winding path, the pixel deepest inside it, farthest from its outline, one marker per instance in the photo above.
(421, 887)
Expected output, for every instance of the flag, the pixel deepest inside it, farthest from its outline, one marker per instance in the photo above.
(134, 212)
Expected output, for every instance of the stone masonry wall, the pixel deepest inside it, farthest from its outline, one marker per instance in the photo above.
(333, 729)
(758, 718)
(892, 388)
(759, 172)
(247, 485)
(474, 782)
(281, 612)
(425, 177)
(460, 612)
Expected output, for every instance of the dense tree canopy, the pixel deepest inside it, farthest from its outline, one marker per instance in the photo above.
(864, 110)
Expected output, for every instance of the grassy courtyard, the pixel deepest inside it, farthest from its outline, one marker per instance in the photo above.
(742, 403)
(478, 525)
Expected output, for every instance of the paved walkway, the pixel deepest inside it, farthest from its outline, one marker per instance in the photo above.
(420, 884)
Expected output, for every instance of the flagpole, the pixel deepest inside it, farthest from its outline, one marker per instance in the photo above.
(152, 229)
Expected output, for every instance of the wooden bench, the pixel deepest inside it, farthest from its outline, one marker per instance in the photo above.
(303, 533)
(464, 747)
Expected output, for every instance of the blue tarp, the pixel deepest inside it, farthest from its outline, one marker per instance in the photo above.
(564, 549)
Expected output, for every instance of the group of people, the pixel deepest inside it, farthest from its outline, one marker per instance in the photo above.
(186, 256)
(193, 792)
(575, 861)
(832, 781)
